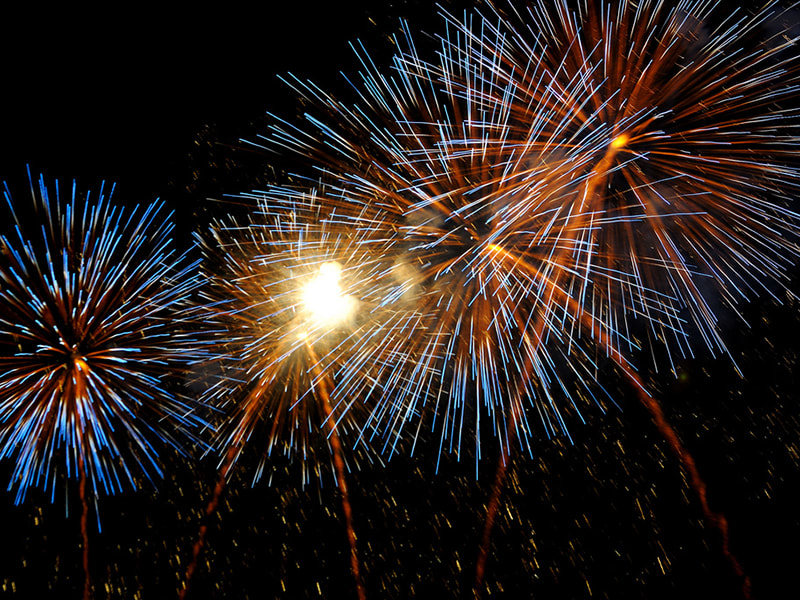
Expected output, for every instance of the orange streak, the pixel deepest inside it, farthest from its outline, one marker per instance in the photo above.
(87, 581)
(251, 408)
(210, 508)
(654, 408)
(338, 463)
(491, 513)
(552, 288)
(718, 520)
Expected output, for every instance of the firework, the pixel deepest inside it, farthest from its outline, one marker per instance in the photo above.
(88, 336)
(556, 184)
(487, 337)
(286, 295)
(689, 186)
(694, 112)
(287, 298)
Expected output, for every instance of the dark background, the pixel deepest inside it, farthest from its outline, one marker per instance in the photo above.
(156, 101)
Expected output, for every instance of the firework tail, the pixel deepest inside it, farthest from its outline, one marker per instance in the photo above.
(596, 179)
(234, 450)
(669, 434)
(87, 580)
(197, 549)
(718, 520)
(491, 511)
(323, 389)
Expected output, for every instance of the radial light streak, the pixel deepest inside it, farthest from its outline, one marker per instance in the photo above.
(697, 107)
(89, 335)
(301, 273)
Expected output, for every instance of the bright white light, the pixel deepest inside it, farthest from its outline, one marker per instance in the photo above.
(323, 298)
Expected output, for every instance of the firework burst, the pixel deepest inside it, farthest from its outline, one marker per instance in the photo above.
(694, 116)
(286, 308)
(488, 336)
(89, 335)
(694, 113)
(285, 303)
(554, 184)
(89, 341)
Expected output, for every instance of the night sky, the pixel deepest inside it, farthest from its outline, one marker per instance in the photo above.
(157, 103)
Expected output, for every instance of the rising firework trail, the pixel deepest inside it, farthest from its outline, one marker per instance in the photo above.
(89, 338)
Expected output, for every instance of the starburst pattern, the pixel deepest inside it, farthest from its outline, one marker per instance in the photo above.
(490, 335)
(694, 113)
(560, 183)
(89, 341)
(286, 297)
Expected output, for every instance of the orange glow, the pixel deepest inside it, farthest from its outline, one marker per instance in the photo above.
(620, 141)
(323, 297)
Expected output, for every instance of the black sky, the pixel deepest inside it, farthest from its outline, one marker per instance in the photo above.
(121, 94)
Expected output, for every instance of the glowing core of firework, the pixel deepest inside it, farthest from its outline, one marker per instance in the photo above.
(81, 364)
(620, 141)
(323, 297)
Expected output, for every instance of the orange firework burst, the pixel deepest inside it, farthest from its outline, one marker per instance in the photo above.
(285, 302)
(287, 298)
(693, 109)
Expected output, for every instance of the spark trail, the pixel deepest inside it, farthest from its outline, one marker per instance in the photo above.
(687, 461)
(87, 579)
(323, 389)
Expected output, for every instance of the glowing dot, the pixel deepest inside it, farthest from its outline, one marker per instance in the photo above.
(498, 250)
(620, 141)
(81, 364)
(323, 298)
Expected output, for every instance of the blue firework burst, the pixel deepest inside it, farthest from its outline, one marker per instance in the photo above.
(90, 339)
